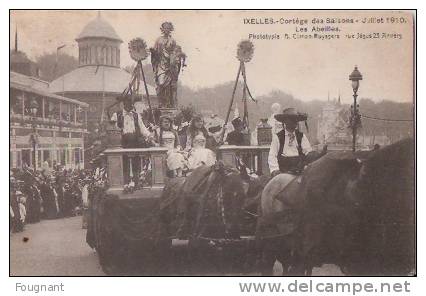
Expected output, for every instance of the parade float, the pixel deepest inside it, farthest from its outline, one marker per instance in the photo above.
(199, 223)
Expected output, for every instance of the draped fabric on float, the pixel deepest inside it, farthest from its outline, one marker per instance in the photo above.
(123, 229)
(135, 233)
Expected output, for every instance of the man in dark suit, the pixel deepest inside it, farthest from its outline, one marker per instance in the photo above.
(236, 137)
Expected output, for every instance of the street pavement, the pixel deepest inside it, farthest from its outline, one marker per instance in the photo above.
(58, 248)
(54, 248)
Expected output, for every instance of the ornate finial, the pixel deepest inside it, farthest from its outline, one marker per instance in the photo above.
(137, 49)
(245, 51)
(166, 28)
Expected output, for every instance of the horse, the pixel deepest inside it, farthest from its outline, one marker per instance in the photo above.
(385, 190)
(298, 211)
(207, 209)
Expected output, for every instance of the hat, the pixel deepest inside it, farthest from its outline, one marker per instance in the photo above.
(214, 129)
(291, 114)
(237, 122)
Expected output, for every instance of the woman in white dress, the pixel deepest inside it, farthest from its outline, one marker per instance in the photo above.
(195, 128)
(167, 137)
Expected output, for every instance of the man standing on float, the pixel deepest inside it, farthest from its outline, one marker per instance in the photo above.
(289, 146)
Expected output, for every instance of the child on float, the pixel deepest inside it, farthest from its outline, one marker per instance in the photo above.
(199, 154)
(168, 137)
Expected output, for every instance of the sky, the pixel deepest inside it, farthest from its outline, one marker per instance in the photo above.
(307, 69)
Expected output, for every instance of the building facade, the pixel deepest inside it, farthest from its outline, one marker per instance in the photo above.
(333, 128)
(45, 128)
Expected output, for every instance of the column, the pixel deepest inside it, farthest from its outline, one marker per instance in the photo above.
(23, 103)
(75, 113)
(115, 170)
(60, 110)
(43, 107)
(82, 152)
(158, 164)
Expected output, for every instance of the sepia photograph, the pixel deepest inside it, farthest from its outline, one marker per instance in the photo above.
(212, 143)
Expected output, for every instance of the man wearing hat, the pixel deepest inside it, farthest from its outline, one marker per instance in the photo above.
(131, 125)
(236, 137)
(134, 134)
(289, 146)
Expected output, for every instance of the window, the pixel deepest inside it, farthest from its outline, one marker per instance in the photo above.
(46, 156)
(93, 55)
(26, 157)
(77, 155)
(108, 61)
(80, 114)
(39, 158)
(98, 55)
(72, 113)
(72, 156)
(16, 99)
(67, 156)
(65, 112)
(63, 158)
(18, 159)
(76, 135)
(114, 56)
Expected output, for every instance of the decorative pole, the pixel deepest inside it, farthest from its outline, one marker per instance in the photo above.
(355, 77)
(138, 52)
(245, 52)
(230, 103)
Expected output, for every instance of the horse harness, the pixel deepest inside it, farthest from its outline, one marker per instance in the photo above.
(290, 164)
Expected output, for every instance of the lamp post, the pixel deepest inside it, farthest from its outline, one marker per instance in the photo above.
(355, 77)
(33, 138)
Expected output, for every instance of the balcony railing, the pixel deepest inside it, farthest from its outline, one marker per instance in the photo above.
(147, 167)
(255, 158)
(26, 119)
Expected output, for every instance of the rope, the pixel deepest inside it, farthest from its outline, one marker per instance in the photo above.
(386, 119)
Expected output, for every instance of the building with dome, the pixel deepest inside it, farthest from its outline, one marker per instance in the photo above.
(99, 79)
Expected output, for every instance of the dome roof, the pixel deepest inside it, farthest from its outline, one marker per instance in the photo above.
(88, 79)
(98, 28)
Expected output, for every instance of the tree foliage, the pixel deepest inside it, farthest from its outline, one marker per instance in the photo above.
(52, 66)
(216, 99)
